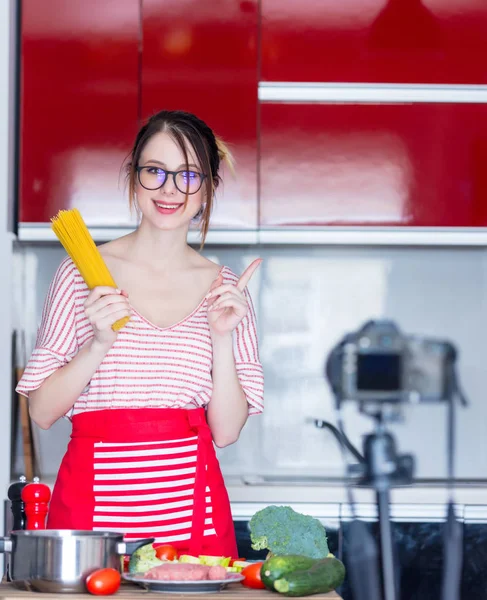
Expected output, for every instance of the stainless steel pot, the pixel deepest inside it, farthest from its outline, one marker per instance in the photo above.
(60, 560)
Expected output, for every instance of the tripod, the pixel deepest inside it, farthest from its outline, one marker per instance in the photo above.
(382, 469)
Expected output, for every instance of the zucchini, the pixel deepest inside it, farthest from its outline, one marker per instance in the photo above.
(278, 566)
(324, 576)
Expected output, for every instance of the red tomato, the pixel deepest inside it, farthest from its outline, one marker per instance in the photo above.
(252, 576)
(103, 582)
(166, 552)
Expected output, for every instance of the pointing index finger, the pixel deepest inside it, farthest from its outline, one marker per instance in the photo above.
(247, 274)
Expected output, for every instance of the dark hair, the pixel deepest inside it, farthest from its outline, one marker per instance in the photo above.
(184, 127)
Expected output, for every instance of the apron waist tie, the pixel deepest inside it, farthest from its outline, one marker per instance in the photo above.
(197, 421)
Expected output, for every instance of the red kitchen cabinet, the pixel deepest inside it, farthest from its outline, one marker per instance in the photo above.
(383, 165)
(202, 57)
(390, 41)
(79, 106)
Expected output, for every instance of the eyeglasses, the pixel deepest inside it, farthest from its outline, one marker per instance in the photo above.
(154, 178)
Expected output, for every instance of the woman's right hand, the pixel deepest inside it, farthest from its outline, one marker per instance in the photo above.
(104, 306)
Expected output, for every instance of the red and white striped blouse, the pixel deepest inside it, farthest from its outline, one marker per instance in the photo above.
(147, 366)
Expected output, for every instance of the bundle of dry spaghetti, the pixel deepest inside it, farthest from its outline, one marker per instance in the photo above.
(73, 234)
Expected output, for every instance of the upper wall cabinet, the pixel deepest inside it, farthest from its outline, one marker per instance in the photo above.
(79, 106)
(201, 57)
(374, 165)
(389, 41)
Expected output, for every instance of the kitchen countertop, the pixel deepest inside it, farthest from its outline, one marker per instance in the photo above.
(327, 498)
(131, 592)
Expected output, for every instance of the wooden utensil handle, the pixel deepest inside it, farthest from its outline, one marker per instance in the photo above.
(26, 430)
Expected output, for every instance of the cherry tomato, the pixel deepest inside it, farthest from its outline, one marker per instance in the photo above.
(252, 576)
(103, 582)
(166, 552)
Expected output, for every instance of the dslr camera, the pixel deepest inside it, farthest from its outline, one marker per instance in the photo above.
(379, 364)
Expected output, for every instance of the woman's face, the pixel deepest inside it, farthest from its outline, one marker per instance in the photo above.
(164, 206)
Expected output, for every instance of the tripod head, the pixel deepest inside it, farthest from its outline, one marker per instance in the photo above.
(383, 467)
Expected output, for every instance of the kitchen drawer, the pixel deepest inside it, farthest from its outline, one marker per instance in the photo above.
(202, 57)
(390, 41)
(79, 107)
(373, 165)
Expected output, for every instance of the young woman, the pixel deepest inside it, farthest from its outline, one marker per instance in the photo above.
(148, 404)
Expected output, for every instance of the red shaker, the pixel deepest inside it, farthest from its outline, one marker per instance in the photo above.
(36, 498)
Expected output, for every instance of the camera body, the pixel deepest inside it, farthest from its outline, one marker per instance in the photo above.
(379, 364)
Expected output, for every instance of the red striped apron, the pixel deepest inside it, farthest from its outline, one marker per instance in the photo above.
(147, 473)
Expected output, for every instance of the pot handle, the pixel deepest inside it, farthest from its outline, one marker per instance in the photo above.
(5, 544)
(130, 547)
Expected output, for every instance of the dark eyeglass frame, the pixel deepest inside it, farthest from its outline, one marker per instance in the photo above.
(138, 168)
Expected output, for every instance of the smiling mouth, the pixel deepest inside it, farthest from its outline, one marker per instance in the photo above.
(165, 206)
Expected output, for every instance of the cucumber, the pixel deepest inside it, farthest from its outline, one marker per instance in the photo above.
(278, 566)
(324, 576)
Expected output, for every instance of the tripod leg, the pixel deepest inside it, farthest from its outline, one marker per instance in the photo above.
(363, 563)
(387, 554)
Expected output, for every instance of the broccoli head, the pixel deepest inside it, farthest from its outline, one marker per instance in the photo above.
(281, 530)
(143, 559)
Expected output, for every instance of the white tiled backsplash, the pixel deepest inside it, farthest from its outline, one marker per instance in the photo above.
(306, 298)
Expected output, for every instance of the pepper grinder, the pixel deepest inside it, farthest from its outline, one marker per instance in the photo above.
(36, 498)
(16, 504)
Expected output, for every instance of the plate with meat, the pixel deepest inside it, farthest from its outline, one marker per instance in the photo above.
(185, 578)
